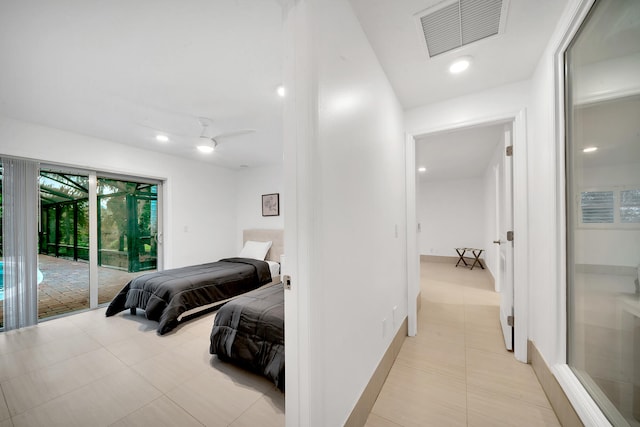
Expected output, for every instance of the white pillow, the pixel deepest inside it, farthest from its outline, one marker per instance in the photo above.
(274, 267)
(255, 250)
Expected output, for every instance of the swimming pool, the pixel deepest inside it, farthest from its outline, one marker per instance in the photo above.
(40, 277)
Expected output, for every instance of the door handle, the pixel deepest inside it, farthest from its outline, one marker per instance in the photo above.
(497, 242)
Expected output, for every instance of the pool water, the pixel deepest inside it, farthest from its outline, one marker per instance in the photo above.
(40, 277)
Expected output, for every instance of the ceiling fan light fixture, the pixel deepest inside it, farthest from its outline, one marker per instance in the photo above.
(206, 145)
(205, 149)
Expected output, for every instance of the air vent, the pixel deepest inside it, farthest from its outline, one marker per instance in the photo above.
(452, 24)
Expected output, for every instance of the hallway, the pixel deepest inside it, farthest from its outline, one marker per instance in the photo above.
(456, 371)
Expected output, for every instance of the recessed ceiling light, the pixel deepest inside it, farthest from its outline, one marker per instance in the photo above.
(422, 169)
(281, 91)
(162, 138)
(589, 149)
(460, 64)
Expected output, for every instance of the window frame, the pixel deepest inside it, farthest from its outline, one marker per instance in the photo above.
(617, 224)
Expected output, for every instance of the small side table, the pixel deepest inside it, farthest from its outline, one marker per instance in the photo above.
(476, 257)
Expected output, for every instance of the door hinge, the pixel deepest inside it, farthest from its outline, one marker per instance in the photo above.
(286, 282)
(510, 151)
(510, 321)
(509, 236)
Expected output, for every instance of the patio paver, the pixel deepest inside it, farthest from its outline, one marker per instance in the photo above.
(65, 286)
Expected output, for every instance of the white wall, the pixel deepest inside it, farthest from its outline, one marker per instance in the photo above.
(252, 183)
(451, 215)
(200, 199)
(470, 109)
(547, 287)
(351, 180)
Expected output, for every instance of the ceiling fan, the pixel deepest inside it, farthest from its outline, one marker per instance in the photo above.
(207, 143)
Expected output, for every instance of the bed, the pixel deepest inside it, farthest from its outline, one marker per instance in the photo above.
(249, 331)
(170, 296)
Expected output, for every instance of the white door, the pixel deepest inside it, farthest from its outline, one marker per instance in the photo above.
(495, 256)
(505, 241)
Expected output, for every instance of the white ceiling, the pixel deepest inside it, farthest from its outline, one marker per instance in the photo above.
(120, 70)
(417, 80)
(124, 70)
(509, 57)
(460, 154)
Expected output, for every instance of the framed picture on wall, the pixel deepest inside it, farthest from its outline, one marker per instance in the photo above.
(271, 204)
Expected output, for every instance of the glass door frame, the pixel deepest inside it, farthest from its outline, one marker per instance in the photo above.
(583, 403)
(94, 208)
(93, 218)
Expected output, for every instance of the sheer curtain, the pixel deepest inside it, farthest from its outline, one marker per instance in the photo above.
(20, 242)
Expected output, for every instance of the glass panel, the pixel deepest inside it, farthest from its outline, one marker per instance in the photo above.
(630, 206)
(603, 203)
(127, 233)
(1, 259)
(63, 260)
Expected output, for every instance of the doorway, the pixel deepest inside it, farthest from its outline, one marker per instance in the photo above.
(517, 122)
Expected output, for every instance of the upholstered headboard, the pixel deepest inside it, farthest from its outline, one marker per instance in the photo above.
(263, 235)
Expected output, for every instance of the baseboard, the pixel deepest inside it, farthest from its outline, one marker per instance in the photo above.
(493, 279)
(557, 397)
(363, 407)
(437, 258)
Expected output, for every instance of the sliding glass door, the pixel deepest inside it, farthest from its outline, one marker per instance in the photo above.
(127, 233)
(1, 256)
(603, 207)
(63, 244)
(94, 233)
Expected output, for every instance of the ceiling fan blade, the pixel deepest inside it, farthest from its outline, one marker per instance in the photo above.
(234, 133)
(163, 131)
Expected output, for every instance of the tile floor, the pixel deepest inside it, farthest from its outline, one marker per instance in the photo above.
(86, 370)
(456, 371)
(89, 370)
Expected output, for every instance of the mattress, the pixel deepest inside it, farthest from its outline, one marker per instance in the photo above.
(166, 295)
(249, 331)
